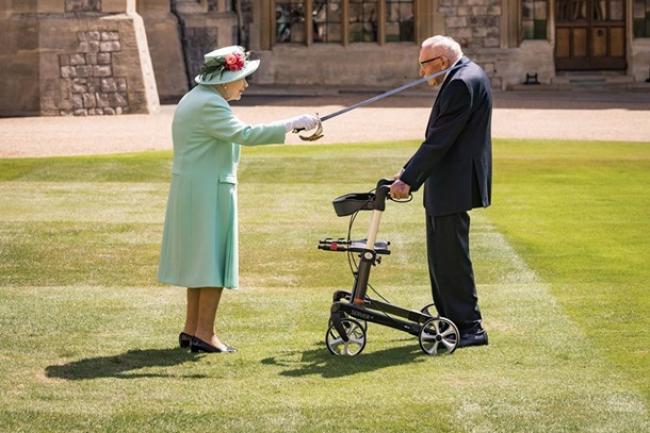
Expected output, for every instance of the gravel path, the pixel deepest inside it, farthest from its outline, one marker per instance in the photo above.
(575, 116)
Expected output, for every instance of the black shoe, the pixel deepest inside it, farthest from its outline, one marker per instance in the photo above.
(198, 345)
(184, 340)
(476, 338)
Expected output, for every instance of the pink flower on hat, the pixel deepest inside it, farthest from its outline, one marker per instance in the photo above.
(234, 62)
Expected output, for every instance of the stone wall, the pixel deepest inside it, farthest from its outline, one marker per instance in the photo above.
(473, 23)
(87, 78)
(358, 65)
(95, 66)
(476, 25)
(164, 40)
(83, 5)
(91, 57)
(640, 55)
(20, 71)
(75, 60)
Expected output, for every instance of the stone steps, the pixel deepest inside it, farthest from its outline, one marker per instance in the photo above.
(589, 81)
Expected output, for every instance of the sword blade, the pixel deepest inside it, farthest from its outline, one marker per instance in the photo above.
(387, 94)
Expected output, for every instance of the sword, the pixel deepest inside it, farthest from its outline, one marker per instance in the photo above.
(318, 134)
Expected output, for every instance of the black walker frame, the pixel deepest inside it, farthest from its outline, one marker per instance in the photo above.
(346, 334)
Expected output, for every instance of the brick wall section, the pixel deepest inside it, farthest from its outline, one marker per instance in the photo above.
(494, 61)
(475, 24)
(88, 83)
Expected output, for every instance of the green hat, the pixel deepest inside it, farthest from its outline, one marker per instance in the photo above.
(226, 65)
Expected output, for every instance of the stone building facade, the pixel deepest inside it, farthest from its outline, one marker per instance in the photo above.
(546, 39)
(74, 57)
(96, 57)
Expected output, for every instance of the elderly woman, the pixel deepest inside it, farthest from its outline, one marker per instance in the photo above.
(199, 245)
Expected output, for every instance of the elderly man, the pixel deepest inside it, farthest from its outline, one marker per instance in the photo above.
(455, 164)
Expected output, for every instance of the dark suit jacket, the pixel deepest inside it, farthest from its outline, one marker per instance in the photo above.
(455, 158)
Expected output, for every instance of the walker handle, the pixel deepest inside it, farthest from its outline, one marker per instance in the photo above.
(385, 182)
(381, 193)
(384, 185)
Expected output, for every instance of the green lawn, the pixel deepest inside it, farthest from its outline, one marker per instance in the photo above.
(87, 336)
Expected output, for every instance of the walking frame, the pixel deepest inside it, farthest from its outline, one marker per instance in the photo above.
(350, 311)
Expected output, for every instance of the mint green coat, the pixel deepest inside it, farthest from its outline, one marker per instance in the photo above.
(199, 244)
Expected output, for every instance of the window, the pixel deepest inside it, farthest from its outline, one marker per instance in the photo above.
(400, 24)
(327, 18)
(344, 21)
(534, 18)
(289, 21)
(363, 20)
(641, 16)
(615, 13)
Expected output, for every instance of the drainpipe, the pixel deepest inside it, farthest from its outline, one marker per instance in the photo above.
(184, 42)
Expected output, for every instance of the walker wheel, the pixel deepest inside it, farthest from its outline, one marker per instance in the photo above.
(439, 336)
(429, 310)
(356, 339)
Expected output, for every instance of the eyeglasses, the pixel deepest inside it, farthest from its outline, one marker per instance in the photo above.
(423, 62)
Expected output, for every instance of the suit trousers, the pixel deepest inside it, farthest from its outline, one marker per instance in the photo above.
(450, 270)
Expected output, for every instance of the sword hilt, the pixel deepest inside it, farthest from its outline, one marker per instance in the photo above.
(317, 135)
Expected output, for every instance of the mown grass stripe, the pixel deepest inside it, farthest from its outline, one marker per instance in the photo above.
(90, 348)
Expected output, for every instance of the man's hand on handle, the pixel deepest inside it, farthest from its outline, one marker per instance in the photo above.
(400, 190)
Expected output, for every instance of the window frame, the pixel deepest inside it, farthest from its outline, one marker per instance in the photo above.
(415, 22)
(549, 5)
(636, 34)
(345, 26)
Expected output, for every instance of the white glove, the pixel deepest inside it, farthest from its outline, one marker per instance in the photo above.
(306, 122)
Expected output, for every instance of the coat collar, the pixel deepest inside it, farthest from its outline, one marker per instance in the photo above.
(218, 98)
(461, 64)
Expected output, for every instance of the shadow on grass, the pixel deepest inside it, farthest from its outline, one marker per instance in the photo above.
(121, 366)
(320, 362)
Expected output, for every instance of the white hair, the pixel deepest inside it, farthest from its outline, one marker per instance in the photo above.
(446, 45)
